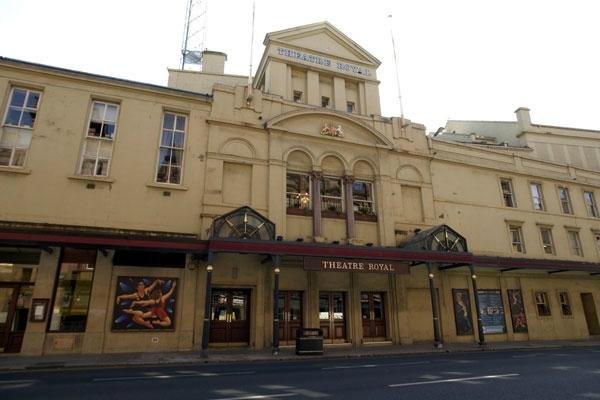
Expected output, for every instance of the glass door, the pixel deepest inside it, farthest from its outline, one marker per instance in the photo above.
(229, 317)
(15, 302)
(332, 316)
(373, 316)
(289, 313)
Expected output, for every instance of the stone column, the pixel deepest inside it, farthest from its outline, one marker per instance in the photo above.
(316, 203)
(349, 205)
(100, 304)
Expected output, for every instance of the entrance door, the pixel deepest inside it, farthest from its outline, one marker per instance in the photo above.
(289, 313)
(587, 299)
(15, 300)
(373, 316)
(332, 316)
(230, 316)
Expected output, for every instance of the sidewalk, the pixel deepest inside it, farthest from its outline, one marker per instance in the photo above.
(11, 362)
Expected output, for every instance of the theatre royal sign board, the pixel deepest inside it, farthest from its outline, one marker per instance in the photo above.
(352, 265)
(324, 61)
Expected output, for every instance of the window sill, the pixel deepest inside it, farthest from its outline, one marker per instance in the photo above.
(15, 170)
(91, 178)
(333, 214)
(307, 212)
(365, 217)
(166, 186)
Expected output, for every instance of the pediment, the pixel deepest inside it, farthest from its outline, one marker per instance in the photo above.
(330, 125)
(323, 38)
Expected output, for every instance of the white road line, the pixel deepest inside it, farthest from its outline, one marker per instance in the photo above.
(373, 365)
(472, 378)
(257, 396)
(188, 375)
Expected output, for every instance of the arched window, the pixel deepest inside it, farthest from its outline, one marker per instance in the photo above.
(243, 223)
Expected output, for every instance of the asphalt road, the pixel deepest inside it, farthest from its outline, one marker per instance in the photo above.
(550, 374)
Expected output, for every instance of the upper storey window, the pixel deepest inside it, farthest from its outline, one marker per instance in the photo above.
(170, 153)
(297, 96)
(332, 194)
(325, 102)
(21, 112)
(508, 193)
(362, 198)
(565, 200)
(98, 146)
(350, 107)
(536, 196)
(590, 203)
(297, 191)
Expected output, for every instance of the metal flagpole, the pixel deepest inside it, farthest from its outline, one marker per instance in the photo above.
(397, 74)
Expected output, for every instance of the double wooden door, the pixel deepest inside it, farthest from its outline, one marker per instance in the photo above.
(373, 316)
(289, 313)
(15, 301)
(332, 316)
(230, 316)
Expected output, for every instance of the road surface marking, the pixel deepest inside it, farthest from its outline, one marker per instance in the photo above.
(374, 365)
(257, 396)
(472, 378)
(188, 375)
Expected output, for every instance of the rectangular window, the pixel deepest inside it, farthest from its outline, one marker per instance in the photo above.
(362, 198)
(536, 196)
(575, 243)
(21, 112)
(507, 193)
(547, 242)
(170, 152)
(516, 237)
(98, 146)
(590, 203)
(597, 240)
(324, 102)
(565, 200)
(541, 303)
(72, 294)
(297, 96)
(22, 108)
(297, 190)
(332, 194)
(565, 303)
(350, 106)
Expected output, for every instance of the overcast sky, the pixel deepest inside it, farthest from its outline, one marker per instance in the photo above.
(459, 59)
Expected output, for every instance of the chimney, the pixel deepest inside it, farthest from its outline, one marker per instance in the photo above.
(213, 62)
(523, 118)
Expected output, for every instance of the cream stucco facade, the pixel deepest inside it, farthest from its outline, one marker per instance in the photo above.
(137, 176)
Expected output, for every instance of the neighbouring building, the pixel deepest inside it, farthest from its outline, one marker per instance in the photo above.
(207, 213)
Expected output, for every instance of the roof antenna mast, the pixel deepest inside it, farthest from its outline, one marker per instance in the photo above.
(194, 32)
(249, 88)
(402, 126)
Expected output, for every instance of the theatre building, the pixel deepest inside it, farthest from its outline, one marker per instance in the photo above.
(209, 213)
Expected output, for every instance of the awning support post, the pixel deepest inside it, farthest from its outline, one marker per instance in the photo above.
(207, 303)
(276, 271)
(477, 310)
(437, 340)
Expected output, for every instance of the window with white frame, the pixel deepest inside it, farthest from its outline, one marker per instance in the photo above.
(332, 194)
(536, 196)
(362, 198)
(565, 303)
(565, 200)
(547, 242)
(297, 190)
(507, 192)
(542, 304)
(590, 203)
(516, 237)
(21, 112)
(170, 152)
(575, 243)
(98, 146)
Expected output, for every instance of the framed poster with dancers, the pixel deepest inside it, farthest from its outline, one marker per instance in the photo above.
(462, 312)
(144, 303)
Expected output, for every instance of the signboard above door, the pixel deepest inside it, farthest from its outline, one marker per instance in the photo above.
(354, 265)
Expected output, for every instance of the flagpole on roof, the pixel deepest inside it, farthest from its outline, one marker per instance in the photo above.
(249, 90)
(397, 72)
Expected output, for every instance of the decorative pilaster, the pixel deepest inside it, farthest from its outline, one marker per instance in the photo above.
(349, 206)
(316, 202)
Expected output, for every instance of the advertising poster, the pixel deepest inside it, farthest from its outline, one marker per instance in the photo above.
(517, 311)
(492, 311)
(144, 303)
(462, 312)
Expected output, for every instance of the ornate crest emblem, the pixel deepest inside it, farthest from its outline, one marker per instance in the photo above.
(332, 130)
